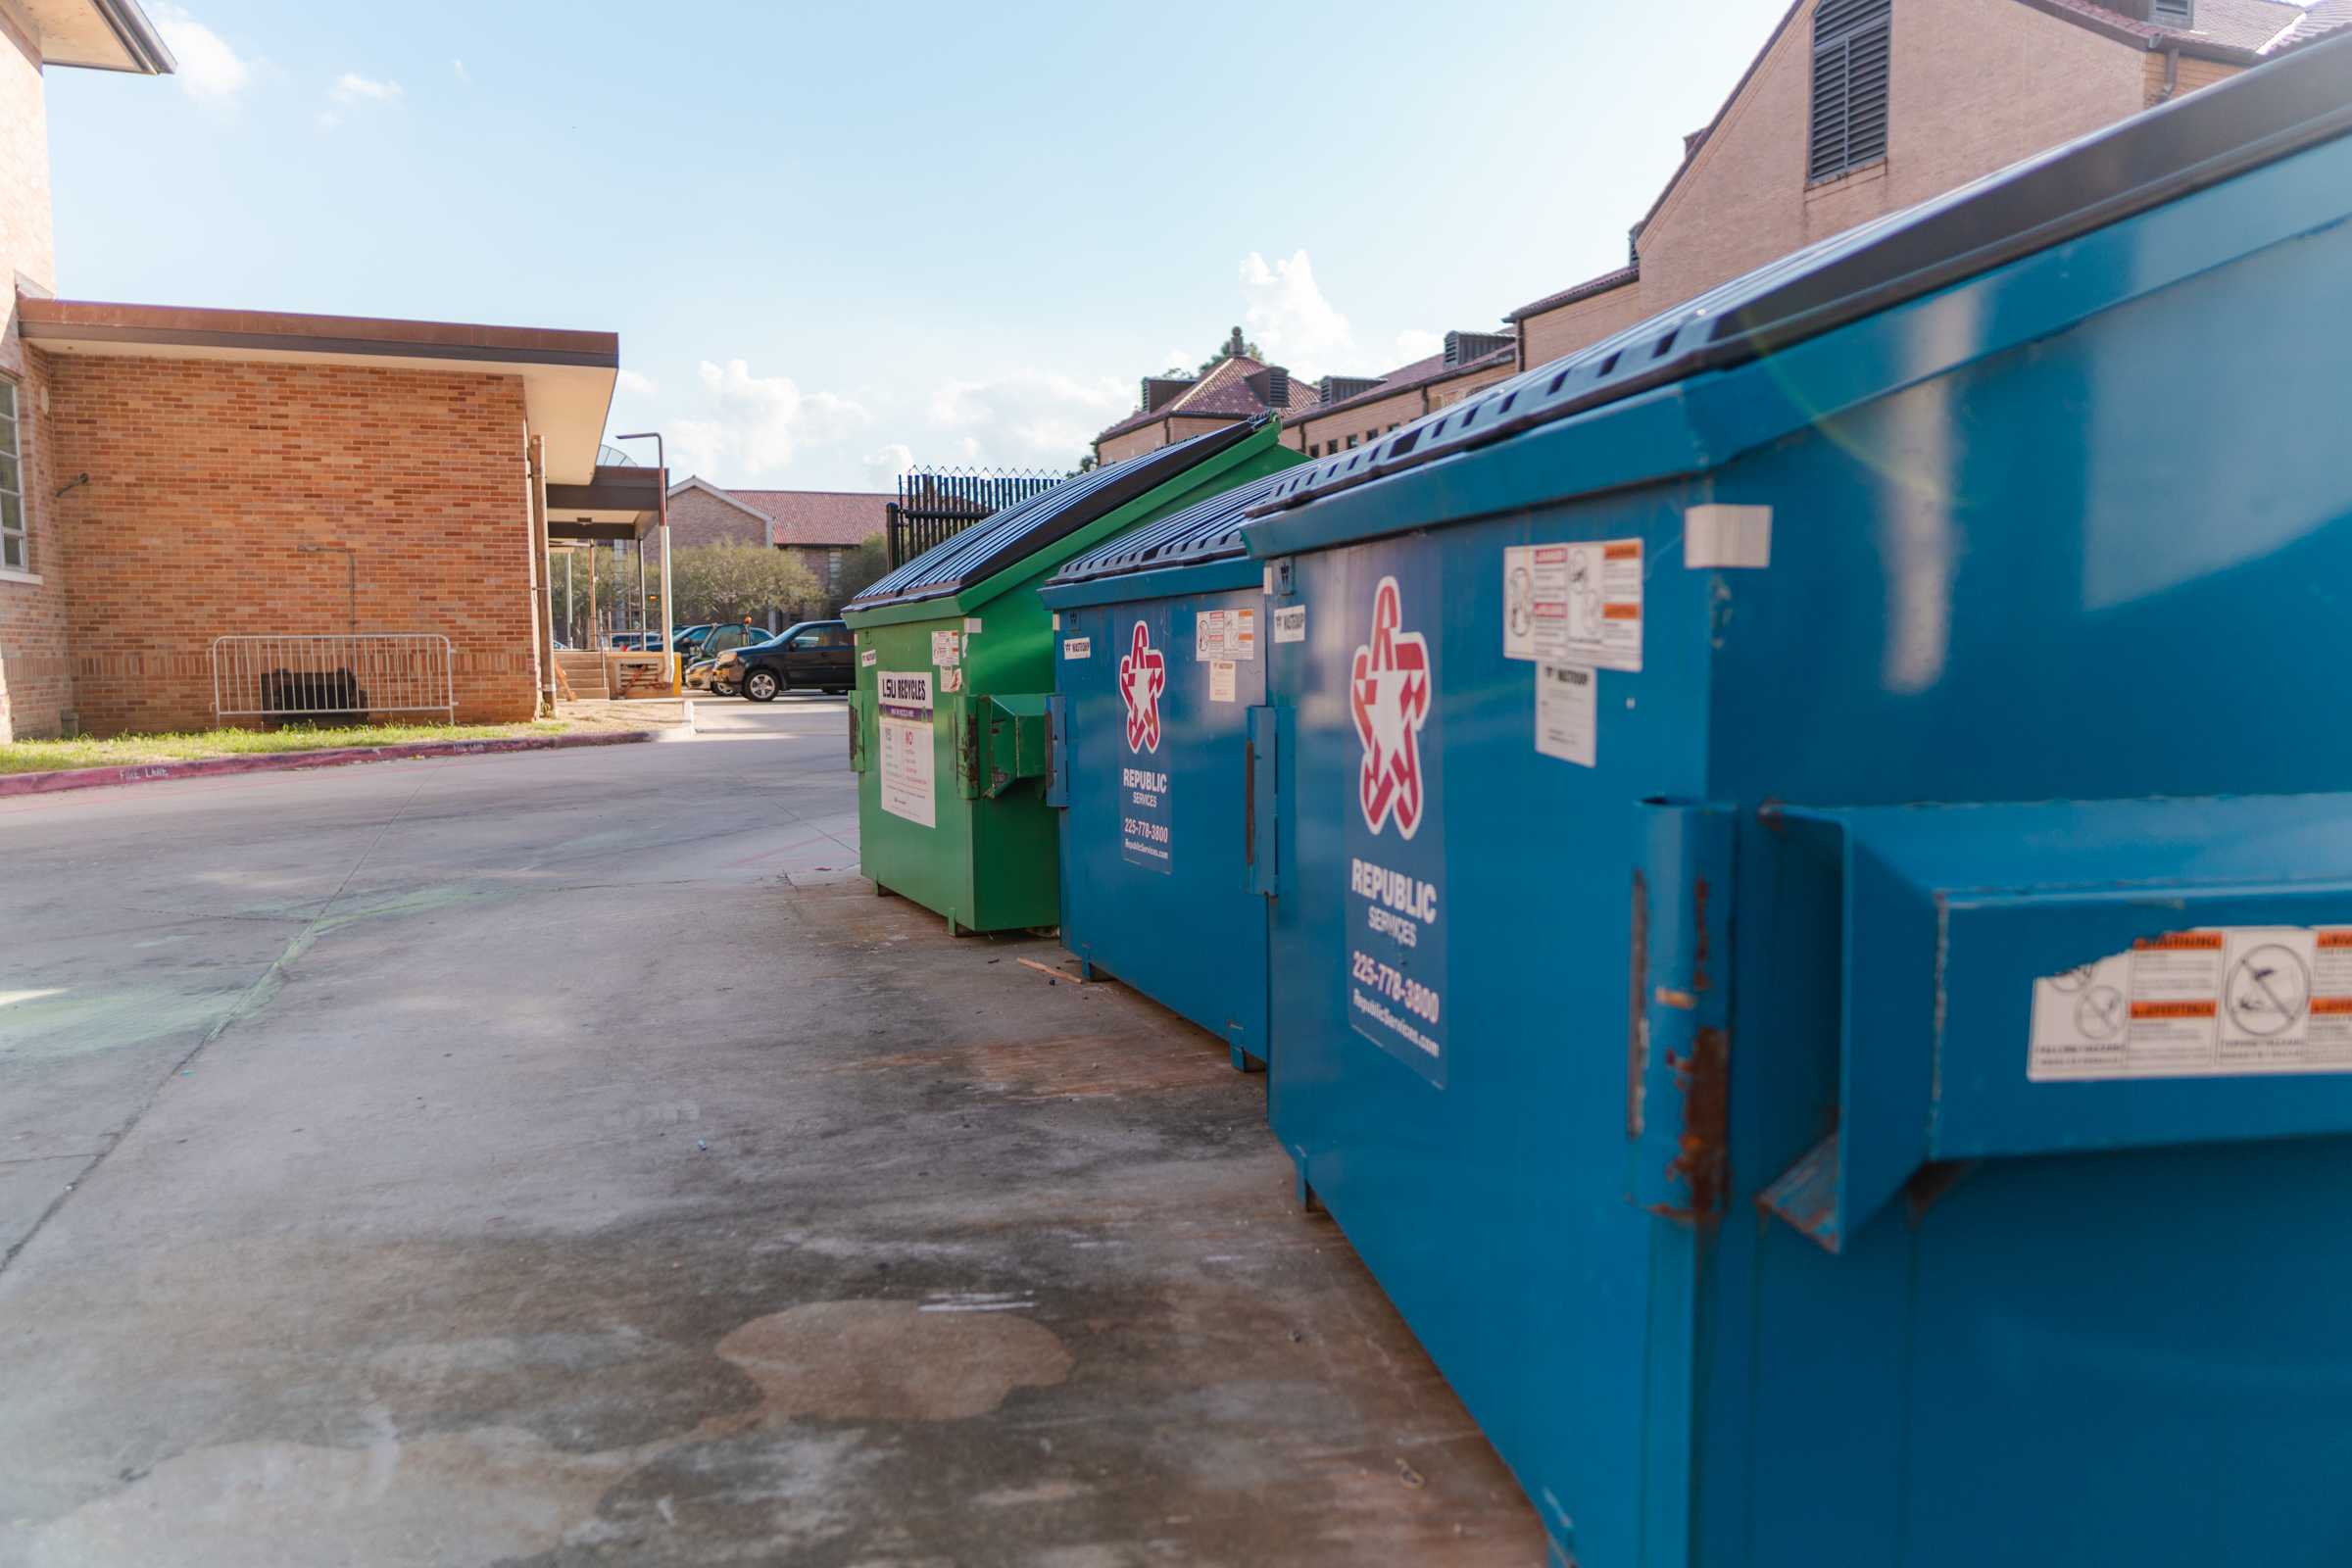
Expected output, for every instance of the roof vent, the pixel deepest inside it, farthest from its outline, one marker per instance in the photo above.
(1271, 386)
(1161, 390)
(1463, 347)
(1339, 388)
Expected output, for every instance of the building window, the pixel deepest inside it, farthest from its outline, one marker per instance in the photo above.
(16, 549)
(2173, 13)
(1851, 48)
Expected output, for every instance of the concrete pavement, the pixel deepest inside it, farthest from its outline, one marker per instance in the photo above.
(566, 1159)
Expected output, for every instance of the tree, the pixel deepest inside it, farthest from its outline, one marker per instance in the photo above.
(862, 567)
(740, 582)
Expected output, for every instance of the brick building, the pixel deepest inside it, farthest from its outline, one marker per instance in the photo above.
(168, 476)
(819, 527)
(1858, 108)
(1349, 410)
(1235, 390)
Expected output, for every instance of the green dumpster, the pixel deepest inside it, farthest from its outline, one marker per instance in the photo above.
(947, 730)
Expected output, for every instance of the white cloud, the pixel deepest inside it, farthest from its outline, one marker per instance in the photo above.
(887, 464)
(745, 424)
(1288, 317)
(464, 76)
(1418, 343)
(210, 71)
(1029, 418)
(355, 91)
(636, 385)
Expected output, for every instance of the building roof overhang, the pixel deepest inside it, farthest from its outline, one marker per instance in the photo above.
(98, 36)
(568, 377)
(618, 502)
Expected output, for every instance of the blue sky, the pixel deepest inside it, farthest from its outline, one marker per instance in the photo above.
(835, 237)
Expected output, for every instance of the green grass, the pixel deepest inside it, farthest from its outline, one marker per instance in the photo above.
(38, 756)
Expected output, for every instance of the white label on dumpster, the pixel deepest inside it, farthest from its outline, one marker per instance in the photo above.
(1289, 623)
(1221, 682)
(903, 719)
(950, 680)
(2217, 1002)
(868, 659)
(946, 649)
(1574, 604)
(971, 625)
(1077, 647)
(1567, 713)
(1227, 634)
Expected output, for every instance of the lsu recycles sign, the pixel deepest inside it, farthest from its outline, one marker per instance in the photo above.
(1396, 853)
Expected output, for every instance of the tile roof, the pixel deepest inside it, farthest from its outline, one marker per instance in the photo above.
(1419, 374)
(2316, 22)
(2241, 29)
(1578, 291)
(1223, 393)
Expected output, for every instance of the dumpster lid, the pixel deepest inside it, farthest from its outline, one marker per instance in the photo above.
(997, 541)
(1210, 530)
(2203, 139)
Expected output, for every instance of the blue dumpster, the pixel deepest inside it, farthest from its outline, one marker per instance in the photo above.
(1158, 689)
(1813, 950)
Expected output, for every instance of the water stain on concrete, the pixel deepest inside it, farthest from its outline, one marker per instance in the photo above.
(890, 1360)
(467, 1497)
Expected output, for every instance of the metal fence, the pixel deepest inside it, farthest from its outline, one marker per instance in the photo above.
(939, 505)
(337, 677)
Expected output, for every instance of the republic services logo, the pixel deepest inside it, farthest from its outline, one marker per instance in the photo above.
(1389, 697)
(1142, 676)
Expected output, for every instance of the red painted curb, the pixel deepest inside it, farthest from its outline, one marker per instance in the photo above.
(85, 778)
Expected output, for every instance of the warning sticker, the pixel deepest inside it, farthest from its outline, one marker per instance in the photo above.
(1574, 604)
(1221, 681)
(1567, 713)
(1289, 623)
(1230, 634)
(971, 625)
(950, 680)
(902, 718)
(2219, 1002)
(1077, 647)
(947, 649)
(868, 659)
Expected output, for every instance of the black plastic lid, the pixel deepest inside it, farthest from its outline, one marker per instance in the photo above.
(997, 542)
(1210, 530)
(2203, 139)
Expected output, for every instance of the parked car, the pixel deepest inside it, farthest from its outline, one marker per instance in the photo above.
(700, 676)
(724, 637)
(815, 653)
(687, 641)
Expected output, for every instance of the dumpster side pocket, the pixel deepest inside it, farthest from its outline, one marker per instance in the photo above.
(2070, 976)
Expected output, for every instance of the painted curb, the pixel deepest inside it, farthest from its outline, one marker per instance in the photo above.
(87, 778)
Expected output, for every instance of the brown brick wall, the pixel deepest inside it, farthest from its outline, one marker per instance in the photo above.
(1977, 85)
(1545, 337)
(1369, 420)
(696, 518)
(1152, 437)
(35, 684)
(2193, 74)
(206, 476)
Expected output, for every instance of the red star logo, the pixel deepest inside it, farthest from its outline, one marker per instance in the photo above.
(1389, 697)
(1142, 676)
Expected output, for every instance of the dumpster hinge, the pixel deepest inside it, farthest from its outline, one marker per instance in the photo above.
(1678, 1066)
(1058, 750)
(1261, 845)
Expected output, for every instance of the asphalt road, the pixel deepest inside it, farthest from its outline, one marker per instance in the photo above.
(566, 1158)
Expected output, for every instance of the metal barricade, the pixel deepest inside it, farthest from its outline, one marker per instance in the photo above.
(337, 676)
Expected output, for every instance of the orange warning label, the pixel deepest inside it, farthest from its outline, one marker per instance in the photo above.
(2180, 941)
(1621, 611)
(2174, 1009)
(2335, 940)
(1621, 550)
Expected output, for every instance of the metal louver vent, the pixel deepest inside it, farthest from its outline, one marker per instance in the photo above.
(1853, 58)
